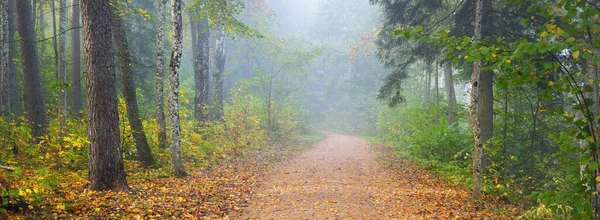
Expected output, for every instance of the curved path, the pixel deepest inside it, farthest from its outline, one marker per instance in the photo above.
(339, 178)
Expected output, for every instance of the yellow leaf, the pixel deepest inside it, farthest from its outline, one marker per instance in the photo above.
(550, 83)
(575, 55)
(598, 179)
(544, 34)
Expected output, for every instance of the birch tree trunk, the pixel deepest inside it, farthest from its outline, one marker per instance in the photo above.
(160, 72)
(220, 70)
(32, 77)
(449, 86)
(105, 164)
(76, 99)
(128, 88)
(475, 123)
(173, 98)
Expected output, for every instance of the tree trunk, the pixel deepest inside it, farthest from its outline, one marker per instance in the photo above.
(62, 71)
(120, 37)
(428, 71)
(105, 164)
(76, 99)
(55, 41)
(475, 123)
(201, 72)
(160, 72)
(449, 81)
(3, 54)
(11, 84)
(41, 24)
(34, 92)
(173, 98)
(220, 70)
(436, 84)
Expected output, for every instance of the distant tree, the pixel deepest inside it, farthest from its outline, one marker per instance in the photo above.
(173, 97)
(128, 87)
(76, 100)
(105, 164)
(160, 72)
(34, 92)
(221, 57)
(450, 94)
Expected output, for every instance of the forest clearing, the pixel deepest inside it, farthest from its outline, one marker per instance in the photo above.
(299, 109)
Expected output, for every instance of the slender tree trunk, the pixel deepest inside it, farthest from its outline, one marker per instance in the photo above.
(475, 123)
(449, 81)
(3, 56)
(34, 93)
(428, 71)
(220, 70)
(41, 24)
(436, 84)
(173, 98)
(55, 42)
(76, 99)
(160, 72)
(62, 71)
(12, 87)
(120, 37)
(105, 164)
(201, 71)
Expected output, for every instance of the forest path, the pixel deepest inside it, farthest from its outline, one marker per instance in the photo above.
(340, 178)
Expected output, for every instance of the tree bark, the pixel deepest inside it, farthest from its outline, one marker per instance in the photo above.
(129, 93)
(451, 96)
(105, 164)
(11, 84)
(173, 99)
(76, 99)
(55, 41)
(475, 123)
(62, 70)
(201, 71)
(160, 72)
(220, 70)
(3, 54)
(34, 93)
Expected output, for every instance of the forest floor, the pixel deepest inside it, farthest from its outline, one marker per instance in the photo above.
(342, 177)
(339, 177)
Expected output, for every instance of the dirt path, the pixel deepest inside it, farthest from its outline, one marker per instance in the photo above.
(339, 178)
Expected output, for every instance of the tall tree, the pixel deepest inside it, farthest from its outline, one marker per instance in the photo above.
(475, 122)
(34, 93)
(105, 164)
(173, 97)
(449, 86)
(221, 57)
(202, 68)
(3, 52)
(128, 88)
(160, 72)
(9, 80)
(76, 99)
(62, 70)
